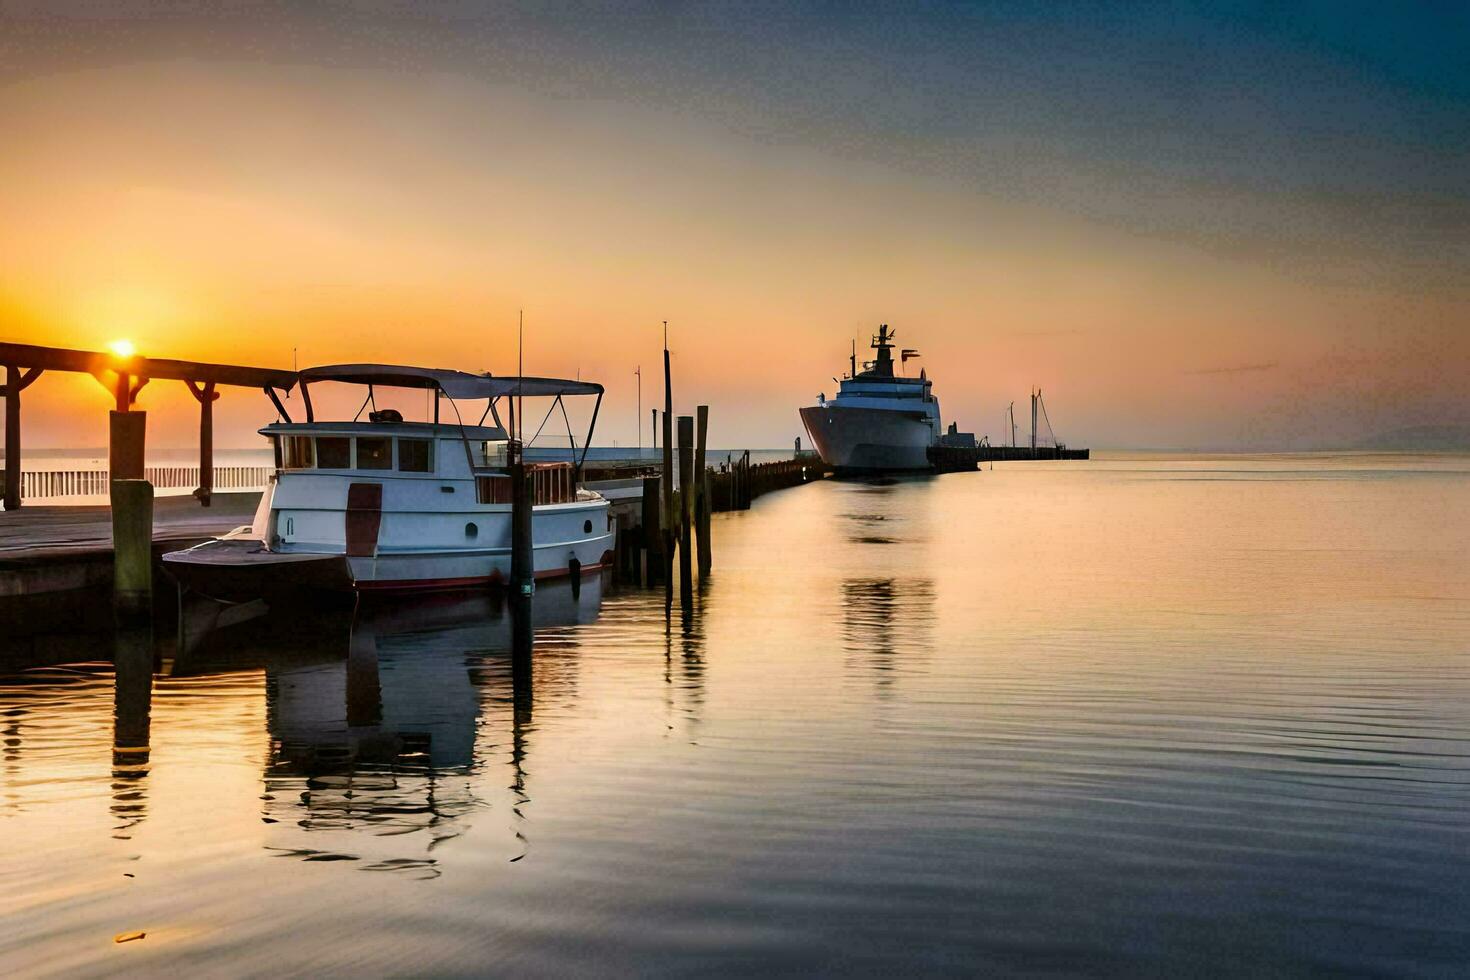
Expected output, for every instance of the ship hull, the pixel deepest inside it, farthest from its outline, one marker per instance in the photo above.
(869, 439)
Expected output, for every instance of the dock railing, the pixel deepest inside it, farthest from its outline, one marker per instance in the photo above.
(66, 485)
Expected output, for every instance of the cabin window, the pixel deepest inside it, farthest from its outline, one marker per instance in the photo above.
(415, 455)
(333, 453)
(492, 489)
(298, 453)
(374, 453)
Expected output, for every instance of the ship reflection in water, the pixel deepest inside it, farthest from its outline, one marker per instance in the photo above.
(1151, 715)
(887, 624)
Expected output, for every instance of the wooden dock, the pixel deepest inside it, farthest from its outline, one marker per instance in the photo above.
(56, 564)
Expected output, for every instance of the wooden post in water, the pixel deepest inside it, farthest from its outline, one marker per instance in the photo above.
(701, 480)
(132, 700)
(522, 553)
(686, 507)
(668, 477)
(653, 535)
(132, 551)
(745, 488)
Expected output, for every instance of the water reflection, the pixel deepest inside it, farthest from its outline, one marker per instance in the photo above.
(885, 622)
(386, 741)
(1061, 725)
(132, 708)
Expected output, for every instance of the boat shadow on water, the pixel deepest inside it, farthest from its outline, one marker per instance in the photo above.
(379, 718)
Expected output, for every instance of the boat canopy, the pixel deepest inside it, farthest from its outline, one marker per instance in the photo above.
(459, 385)
(454, 384)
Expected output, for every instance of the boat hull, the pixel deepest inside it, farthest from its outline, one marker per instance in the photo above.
(869, 439)
(238, 570)
(235, 570)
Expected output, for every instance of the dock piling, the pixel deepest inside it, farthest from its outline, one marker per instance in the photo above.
(652, 531)
(132, 550)
(522, 556)
(132, 709)
(701, 485)
(127, 433)
(686, 508)
(668, 478)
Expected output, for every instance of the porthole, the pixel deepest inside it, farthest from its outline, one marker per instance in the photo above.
(586, 527)
(471, 530)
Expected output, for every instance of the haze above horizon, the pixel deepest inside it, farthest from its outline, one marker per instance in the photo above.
(1233, 226)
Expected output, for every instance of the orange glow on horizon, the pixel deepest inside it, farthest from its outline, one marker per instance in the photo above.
(286, 219)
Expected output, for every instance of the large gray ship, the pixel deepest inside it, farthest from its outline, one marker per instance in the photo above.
(879, 420)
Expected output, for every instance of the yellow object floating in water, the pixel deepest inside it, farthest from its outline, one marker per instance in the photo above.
(127, 937)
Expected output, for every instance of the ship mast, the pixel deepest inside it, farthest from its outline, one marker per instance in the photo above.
(883, 344)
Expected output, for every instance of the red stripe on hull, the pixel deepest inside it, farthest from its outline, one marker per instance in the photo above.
(404, 586)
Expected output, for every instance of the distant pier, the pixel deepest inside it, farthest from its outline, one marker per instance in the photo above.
(955, 459)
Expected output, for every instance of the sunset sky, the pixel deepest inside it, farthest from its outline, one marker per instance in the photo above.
(1193, 225)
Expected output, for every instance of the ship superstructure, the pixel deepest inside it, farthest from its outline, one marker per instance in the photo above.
(879, 420)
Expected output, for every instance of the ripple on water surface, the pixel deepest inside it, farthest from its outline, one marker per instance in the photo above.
(1150, 714)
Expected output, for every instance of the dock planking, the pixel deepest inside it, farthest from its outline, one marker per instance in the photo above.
(37, 538)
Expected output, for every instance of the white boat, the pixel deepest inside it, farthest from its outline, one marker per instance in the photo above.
(387, 505)
(879, 420)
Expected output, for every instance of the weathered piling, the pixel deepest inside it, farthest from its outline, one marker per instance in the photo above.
(701, 486)
(127, 432)
(668, 485)
(653, 537)
(739, 482)
(686, 508)
(522, 568)
(132, 658)
(132, 551)
(522, 559)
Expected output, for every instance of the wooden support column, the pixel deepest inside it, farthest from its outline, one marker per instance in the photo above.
(125, 445)
(132, 550)
(206, 396)
(15, 383)
(686, 508)
(701, 486)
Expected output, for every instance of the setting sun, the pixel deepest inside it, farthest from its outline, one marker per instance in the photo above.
(122, 348)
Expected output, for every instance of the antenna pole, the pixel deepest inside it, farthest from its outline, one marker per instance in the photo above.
(521, 374)
(1033, 421)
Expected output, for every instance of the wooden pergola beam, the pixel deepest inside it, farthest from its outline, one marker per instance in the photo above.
(124, 377)
(153, 368)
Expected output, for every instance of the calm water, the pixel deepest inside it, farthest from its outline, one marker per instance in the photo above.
(1146, 715)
